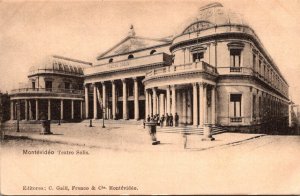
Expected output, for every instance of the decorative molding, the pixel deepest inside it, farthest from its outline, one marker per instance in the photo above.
(236, 45)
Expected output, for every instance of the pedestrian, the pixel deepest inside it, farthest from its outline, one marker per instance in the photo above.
(162, 119)
(167, 119)
(148, 118)
(157, 119)
(171, 120)
(176, 119)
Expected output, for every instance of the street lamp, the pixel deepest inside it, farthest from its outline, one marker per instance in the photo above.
(103, 115)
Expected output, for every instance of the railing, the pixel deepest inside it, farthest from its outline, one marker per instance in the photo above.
(236, 119)
(197, 66)
(159, 58)
(53, 71)
(47, 90)
(235, 70)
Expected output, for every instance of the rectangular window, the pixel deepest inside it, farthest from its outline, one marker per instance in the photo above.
(33, 85)
(259, 106)
(236, 108)
(254, 61)
(259, 66)
(235, 58)
(254, 106)
(198, 55)
(48, 85)
(67, 85)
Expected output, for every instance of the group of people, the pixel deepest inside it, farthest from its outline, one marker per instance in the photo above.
(168, 120)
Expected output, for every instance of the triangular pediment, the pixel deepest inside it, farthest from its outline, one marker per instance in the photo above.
(132, 43)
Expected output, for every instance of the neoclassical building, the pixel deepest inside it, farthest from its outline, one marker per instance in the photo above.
(54, 89)
(215, 70)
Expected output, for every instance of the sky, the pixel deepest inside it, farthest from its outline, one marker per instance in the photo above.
(30, 31)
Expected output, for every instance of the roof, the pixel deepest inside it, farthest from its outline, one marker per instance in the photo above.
(61, 64)
(214, 14)
(133, 43)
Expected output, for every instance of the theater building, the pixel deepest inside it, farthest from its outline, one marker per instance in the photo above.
(215, 70)
(54, 89)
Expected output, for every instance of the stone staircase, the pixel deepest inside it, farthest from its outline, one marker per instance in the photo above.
(190, 130)
(117, 122)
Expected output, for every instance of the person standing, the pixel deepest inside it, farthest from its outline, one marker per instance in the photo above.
(176, 119)
(162, 119)
(171, 120)
(167, 119)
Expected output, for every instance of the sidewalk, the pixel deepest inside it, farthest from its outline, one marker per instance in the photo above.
(127, 137)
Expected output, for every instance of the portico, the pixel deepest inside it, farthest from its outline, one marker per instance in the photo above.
(191, 93)
(31, 108)
(116, 99)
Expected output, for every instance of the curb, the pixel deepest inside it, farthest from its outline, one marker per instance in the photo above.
(227, 144)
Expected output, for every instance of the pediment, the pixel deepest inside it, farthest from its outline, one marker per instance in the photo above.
(132, 43)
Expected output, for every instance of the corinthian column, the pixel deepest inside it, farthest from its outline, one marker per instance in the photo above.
(136, 99)
(113, 98)
(95, 101)
(173, 103)
(168, 100)
(213, 105)
(86, 97)
(104, 100)
(195, 105)
(154, 101)
(146, 103)
(201, 104)
(125, 112)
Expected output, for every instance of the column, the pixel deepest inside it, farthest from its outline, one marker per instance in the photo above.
(72, 109)
(61, 109)
(49, 109)
(189, 107)
(30, 110)
(136, 99)
(195, 105)
(162, 104)
(86, 98)
(113, 97)
(213, 105)
(184, 116)
(168, 100)
(150, 104)
(173, 102)
(125, 112)
(204, 103)
(26, 109)
(154, 101)
(104, 100)
(201, 105)
(95, 101)
(146, 103)
(36, 109)
(81, 109)
(12, 110)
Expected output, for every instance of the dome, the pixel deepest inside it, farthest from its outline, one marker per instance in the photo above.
(59, 65)
(214, 14)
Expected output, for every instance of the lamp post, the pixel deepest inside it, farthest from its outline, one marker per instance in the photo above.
(103, 114)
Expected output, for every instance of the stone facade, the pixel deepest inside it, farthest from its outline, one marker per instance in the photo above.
(214, 71)
(54, 89)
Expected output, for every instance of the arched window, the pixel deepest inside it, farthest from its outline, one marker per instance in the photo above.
(152, 52)
(130, 56)
(110, 60)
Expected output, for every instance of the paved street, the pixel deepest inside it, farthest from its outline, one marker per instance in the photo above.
(268, 164)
